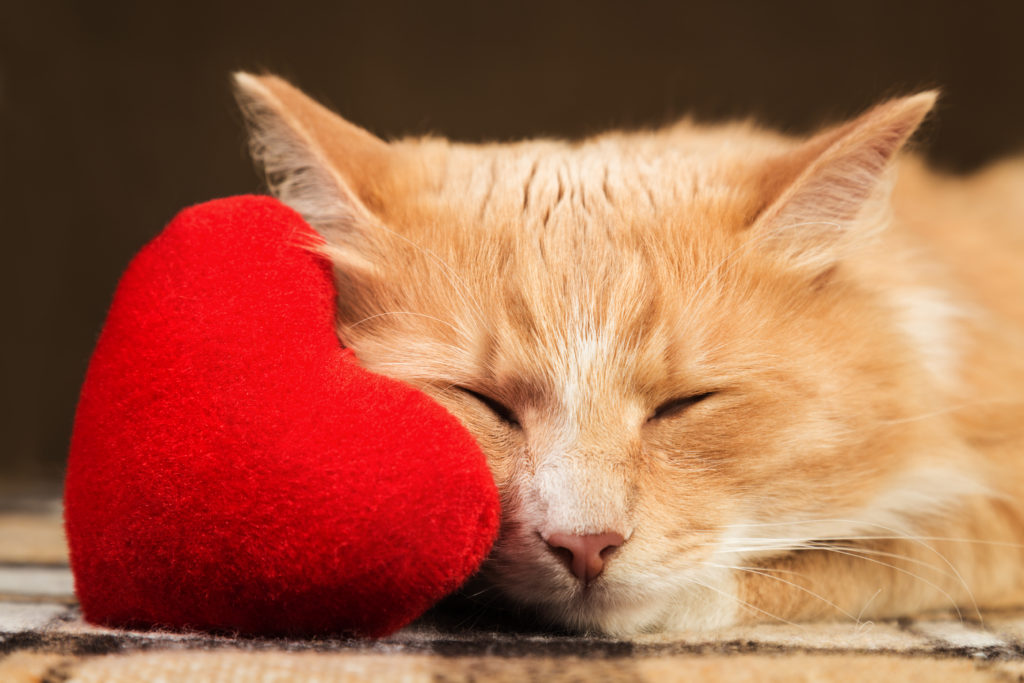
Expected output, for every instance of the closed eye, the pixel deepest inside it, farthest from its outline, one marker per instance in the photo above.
(678, 405)
(503, 412)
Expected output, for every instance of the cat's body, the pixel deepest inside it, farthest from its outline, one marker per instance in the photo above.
(720, 375)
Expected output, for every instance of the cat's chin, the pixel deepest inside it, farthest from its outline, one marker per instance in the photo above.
(623, 608)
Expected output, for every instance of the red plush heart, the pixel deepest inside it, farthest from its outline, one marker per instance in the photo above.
(232, 467)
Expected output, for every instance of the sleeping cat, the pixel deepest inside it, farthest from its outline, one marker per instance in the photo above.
(721, 375)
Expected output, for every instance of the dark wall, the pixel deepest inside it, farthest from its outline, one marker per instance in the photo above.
(115, 115)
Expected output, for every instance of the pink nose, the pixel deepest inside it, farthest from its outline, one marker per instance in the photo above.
(585, 555)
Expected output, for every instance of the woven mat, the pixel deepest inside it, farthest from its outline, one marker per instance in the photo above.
(43, 639)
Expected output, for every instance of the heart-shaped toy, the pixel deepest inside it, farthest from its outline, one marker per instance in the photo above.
(233, 468)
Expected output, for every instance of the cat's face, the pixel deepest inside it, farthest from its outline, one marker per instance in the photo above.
(584, 334)
(647, 335)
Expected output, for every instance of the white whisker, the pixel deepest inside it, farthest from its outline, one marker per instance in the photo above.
(769, 573)
(741, 601)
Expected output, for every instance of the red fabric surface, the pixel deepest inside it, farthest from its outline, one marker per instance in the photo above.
(232, 467)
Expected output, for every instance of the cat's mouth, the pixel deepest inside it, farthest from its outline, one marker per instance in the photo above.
(546, 586)
(637, 590)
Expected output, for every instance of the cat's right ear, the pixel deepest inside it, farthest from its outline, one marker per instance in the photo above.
(831, 192)
(335, 174)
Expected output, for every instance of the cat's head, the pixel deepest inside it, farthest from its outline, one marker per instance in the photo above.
(673, 347)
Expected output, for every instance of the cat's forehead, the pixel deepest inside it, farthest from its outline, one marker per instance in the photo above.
(554, 184)
(614, 181)
(551, 259)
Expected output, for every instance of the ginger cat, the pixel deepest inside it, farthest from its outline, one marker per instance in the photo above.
(721, 375)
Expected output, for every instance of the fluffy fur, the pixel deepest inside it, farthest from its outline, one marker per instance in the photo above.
(850, 321)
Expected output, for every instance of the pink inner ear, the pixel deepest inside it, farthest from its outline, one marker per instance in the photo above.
(835, 176)
(332, 171)
(232, 468)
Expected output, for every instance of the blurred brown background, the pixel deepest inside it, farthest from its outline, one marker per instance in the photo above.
(115, 115)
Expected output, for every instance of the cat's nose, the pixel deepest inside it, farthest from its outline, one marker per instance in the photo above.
(585, 555)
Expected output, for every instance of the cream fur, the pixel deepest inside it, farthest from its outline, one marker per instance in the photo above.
(854, 319)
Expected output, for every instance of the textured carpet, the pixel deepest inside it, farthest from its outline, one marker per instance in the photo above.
(44, 640)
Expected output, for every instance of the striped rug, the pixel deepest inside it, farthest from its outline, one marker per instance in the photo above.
(44, 640)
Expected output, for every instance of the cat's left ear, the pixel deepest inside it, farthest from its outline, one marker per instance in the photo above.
(336, 174)
(820, 196)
